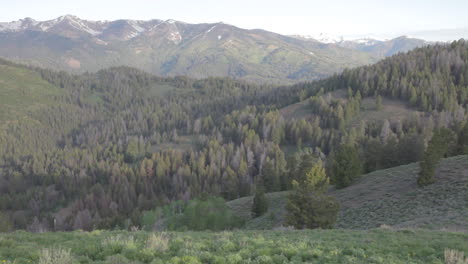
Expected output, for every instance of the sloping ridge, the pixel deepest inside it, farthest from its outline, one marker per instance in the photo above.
(387, 197)
(392, 197)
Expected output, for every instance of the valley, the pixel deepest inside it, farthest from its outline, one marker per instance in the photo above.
(159, 141)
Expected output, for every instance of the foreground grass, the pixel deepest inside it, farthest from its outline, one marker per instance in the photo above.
(311, 246)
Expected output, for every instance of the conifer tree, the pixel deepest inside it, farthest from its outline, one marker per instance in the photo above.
(260, 203)
(462, 143)
(308, 206)
(346, 166)
(378, 103)
(439, 145)
(270, 178)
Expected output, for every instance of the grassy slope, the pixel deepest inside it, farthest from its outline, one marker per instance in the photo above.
(309, 246)
(389, 197)
(23, 91)
(391, 110)
(392, 197)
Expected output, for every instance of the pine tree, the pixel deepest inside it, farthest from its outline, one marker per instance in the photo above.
(270, 178)
(439, 145)
(308, 206)
(260, 203)
(378, 103)
(462, 143)
(346, 166)
(315, 179)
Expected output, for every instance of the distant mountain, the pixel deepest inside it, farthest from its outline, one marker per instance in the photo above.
(449, 34)
(384, 48)
(377, 48)
(321, 37)
(170, 48)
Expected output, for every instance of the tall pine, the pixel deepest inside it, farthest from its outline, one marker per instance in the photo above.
(308, 206)
(346, 166)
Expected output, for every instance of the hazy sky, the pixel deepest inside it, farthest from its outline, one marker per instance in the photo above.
(338, 17)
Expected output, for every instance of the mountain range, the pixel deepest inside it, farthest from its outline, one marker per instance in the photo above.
(171, 48)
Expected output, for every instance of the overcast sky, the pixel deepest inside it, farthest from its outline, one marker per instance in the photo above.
(336, 17)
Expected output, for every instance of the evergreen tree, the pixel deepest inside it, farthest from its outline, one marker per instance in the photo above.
(378, 103)
(439, 145)
(307, 163)
(462, 142)
(346, 166)
(308, 206)
(270, 178)
(260, 203)
(315, 179)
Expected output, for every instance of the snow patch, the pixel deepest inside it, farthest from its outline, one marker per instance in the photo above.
(365, 41)
(131, 35)
(78, 24)
(18, 25)
(137, 29)
(209, 30)
(326, 38)
(12, 26)
(175, 37)
(72, 21)
(155, 26)
(135, 26)
(100, 42)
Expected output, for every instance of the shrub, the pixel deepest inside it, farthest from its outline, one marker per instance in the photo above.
(148, 219)
(119, 242)
(209, 214)
(5, 224)
(158, 242)
(55, 256)
(452, 256)
(117, 259)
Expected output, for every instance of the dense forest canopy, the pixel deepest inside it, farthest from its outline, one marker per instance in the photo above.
(97, 149)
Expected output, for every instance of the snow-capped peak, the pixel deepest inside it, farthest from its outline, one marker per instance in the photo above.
(21, 24)
(68, 17)
(79, 24)
(365, 41)
(322, 37)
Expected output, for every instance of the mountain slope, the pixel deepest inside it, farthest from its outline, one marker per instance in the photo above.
(23, 92)
(384, 48)
(386, 197)
(377, 48)
(169, 48)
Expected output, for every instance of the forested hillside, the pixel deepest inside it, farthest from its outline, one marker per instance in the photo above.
(95, 150)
